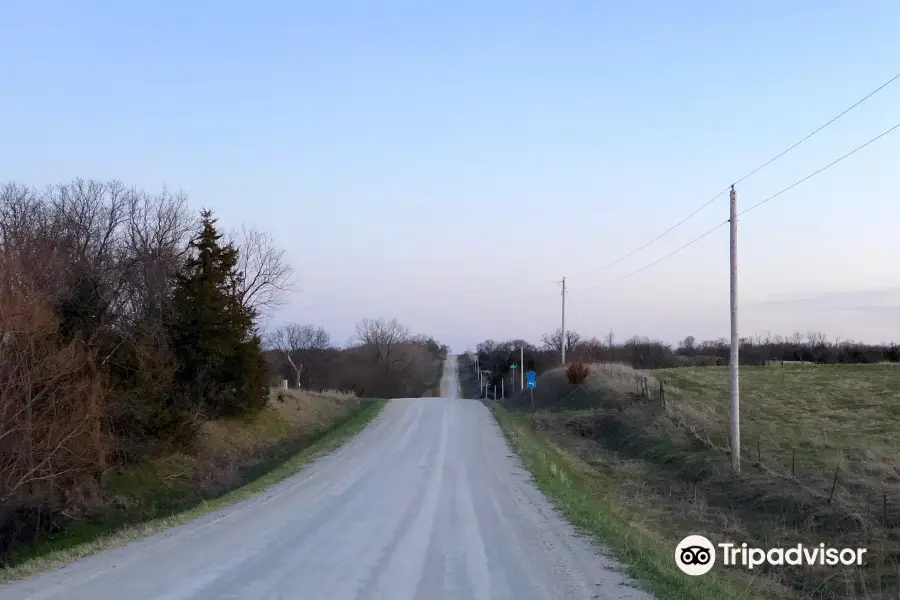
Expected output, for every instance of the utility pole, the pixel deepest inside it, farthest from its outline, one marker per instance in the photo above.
(735, 344)
(562, 341)
(522, 370)
(502, 385)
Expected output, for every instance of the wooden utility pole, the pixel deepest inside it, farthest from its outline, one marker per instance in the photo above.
(522, 368)
(735, 344)
(562, 341)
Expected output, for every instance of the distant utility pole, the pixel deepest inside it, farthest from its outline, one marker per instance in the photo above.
(562, 341)
(522, 367)
(735, 344)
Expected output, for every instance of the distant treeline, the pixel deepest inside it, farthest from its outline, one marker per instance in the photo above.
(646, 353)
(385, 359)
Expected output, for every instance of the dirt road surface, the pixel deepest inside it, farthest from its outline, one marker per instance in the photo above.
(427, 503)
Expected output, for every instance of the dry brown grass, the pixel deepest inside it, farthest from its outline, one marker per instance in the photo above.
(672, 463)
(226, 455)
(166, 493)
(227, 449)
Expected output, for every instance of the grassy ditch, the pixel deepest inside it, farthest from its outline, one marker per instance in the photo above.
(819, 462)
(234, 459)
(590, 497)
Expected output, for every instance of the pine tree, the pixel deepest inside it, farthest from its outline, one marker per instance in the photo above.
(221, 369)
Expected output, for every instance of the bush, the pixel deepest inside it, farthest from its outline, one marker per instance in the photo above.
(577, 372)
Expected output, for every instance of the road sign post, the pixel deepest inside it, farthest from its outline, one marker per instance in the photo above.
(531, 379)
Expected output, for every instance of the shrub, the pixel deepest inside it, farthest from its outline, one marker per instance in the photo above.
(577, 372)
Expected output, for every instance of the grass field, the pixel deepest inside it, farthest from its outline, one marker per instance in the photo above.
(233, 459)
(806, 430)
(820, 416)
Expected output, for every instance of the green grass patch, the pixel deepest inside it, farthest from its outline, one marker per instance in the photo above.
(818, 417)
(587, 497)
(819, 463)
(165, 505)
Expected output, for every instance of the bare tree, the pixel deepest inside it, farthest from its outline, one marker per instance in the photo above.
(383, 336)
(816, 338)
(295, 342)
(266, 273)
(554, 341)
(689, 346)
(158, 231)
(49, 402)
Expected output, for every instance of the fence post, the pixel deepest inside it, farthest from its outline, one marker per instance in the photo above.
(833, 485)
(662, 393)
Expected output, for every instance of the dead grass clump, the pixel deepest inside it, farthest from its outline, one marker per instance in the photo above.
(577, 372)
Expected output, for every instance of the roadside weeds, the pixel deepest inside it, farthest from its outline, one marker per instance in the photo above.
(65, 550)
(583, 494)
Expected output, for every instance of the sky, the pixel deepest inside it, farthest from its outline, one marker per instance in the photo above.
(448, 163)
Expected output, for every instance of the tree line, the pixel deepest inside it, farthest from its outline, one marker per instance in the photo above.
(128, 320)
(646, 353)
(384, 359)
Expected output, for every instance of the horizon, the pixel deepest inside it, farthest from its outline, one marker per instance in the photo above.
(409, 158)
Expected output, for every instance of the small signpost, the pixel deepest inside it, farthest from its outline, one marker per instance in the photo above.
(531, 383)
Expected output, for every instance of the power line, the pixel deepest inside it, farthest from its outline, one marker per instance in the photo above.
(745, 177)
(828, 166)
(754, 206)
(659, 260)
(676, 225)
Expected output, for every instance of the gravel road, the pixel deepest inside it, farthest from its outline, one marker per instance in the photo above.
(427, 503)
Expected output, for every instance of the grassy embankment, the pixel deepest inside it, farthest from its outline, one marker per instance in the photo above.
(433, 380)
(233, 459)
(642, 476)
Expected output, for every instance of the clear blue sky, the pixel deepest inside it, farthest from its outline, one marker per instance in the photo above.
(398, 150)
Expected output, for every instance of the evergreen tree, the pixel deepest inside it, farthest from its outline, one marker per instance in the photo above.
(221, 369)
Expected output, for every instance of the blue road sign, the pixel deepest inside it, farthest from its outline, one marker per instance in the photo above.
(530, 379)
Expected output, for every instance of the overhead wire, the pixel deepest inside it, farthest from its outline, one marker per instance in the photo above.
(752, 207)
(673, 227)
(744, 178)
